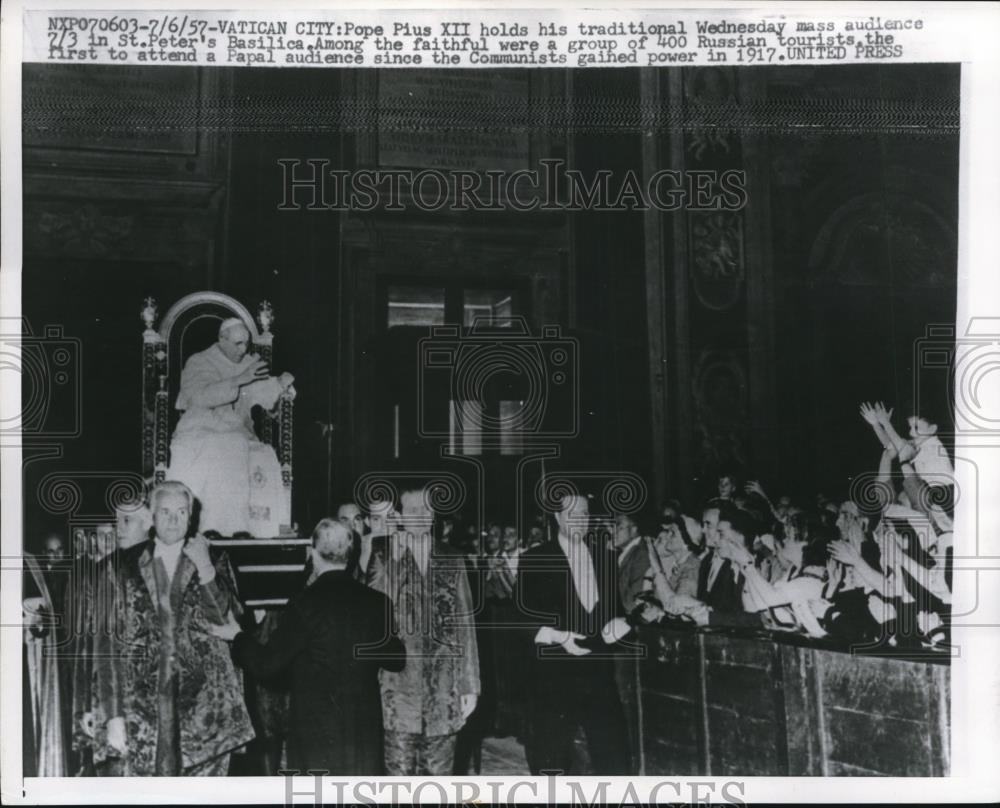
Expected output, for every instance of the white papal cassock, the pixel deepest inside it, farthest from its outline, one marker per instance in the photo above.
(216, 453)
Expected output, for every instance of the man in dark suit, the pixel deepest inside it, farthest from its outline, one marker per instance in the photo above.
(334, 636)
(381, 522)
(567, 593)
(716, 585)
(720, 583)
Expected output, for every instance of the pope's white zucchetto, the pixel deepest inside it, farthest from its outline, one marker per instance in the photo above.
(229, 323)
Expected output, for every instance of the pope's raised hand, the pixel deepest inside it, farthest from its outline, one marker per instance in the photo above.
(257, 369)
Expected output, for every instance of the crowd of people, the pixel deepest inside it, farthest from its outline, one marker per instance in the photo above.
(414, 635)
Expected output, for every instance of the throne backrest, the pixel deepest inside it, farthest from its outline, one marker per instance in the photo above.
(189, 326)
(194, 329)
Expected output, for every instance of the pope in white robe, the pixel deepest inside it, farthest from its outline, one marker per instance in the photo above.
(215, 451)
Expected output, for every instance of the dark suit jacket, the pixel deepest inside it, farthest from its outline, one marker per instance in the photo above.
(632, 572)
(334, 636)
(725, 596)
(546, 596)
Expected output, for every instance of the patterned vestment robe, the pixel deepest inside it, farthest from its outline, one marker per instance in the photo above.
(161, 669)
(433, 613)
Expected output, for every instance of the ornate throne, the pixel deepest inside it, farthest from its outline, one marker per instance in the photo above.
(191, 325)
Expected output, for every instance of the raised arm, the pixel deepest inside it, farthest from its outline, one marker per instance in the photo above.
(871, 413)
(930, 578)
(218, 584)
(885, 421)
(201, 386)
(885, 467)
(754, 487)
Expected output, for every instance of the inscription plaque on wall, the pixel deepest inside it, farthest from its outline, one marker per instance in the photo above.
(111, 108)
(448, 119)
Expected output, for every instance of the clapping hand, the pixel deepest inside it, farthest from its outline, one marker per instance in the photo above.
(844, 552)
(737, 552)
(196, 549)
(884, 416)
(228, 630)
(868, 413)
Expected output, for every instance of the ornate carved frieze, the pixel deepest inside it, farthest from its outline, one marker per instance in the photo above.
(720, 391)
(718, 267)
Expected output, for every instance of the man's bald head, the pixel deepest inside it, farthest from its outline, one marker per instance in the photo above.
(234, 339)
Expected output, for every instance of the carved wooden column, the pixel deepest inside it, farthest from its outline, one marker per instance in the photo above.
(708, 285)
(155, 440)
(657, 249)
(760, 286)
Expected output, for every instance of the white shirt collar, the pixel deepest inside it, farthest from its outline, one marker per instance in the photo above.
(169, 553)
(565, 542)
(581, 565)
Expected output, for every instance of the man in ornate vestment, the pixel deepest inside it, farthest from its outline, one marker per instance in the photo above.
(214, 449)
(427, 703)
(168, 699)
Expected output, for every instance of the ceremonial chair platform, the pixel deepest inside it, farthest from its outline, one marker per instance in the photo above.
(268, 571)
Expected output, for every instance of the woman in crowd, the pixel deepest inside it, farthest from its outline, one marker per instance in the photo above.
(795, 601)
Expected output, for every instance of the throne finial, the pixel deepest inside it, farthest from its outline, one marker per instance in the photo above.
(265, 316)
(148, 314)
